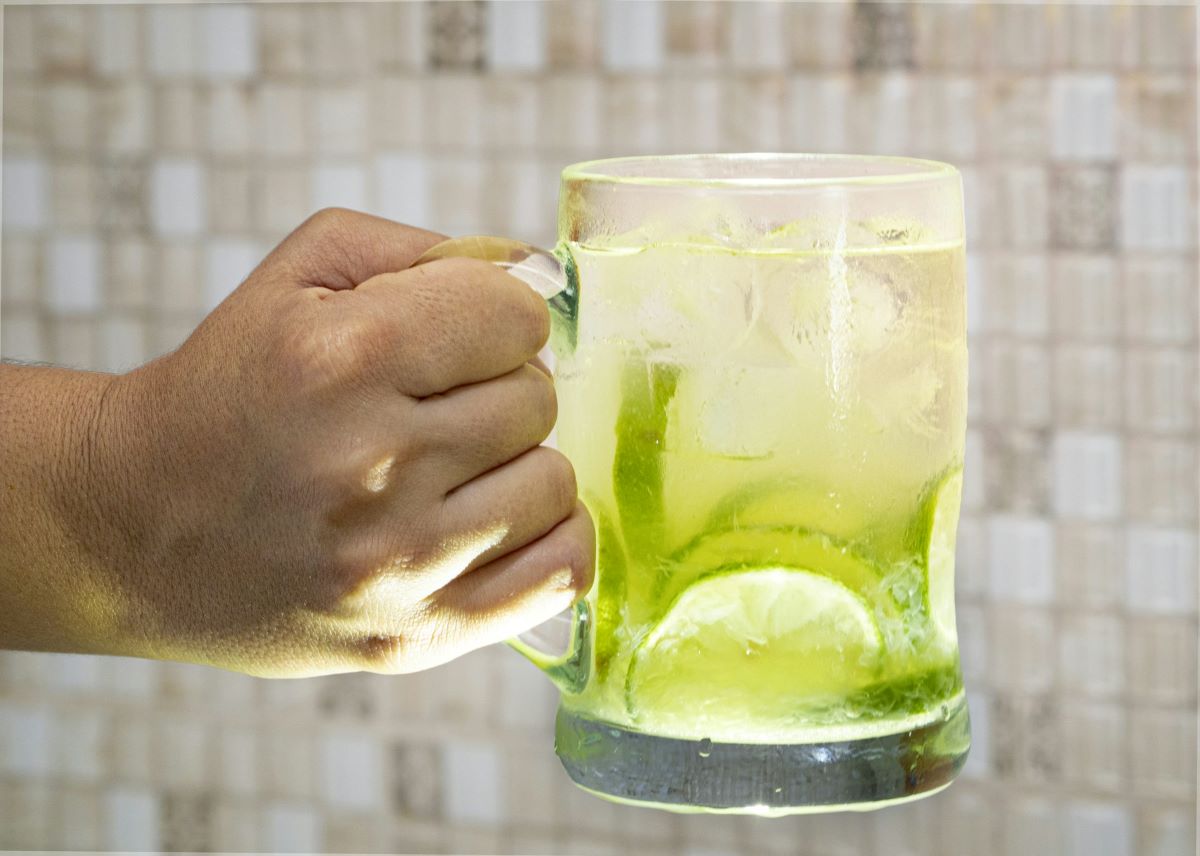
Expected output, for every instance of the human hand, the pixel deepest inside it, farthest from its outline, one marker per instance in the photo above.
(339, 469)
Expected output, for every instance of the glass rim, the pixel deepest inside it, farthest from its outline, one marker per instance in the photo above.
(908, 170)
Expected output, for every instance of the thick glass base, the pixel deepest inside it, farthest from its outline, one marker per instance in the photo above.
(763, 778)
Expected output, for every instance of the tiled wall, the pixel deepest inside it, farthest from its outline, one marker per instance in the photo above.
(152, 154)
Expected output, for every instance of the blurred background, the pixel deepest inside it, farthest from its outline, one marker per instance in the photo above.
(152, 154)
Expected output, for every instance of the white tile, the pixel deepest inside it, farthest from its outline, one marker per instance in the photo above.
(185, 752)
(116, 50)
(471, 783)
(1156, 208)
(973, 496)
(21, 336)
(976, 292)
(1160, 571)
(756, 35)
(230, 119)
(1021, 559)
(132, 816)
(282, 111)
(1099, 829)
(339, 186)
(177, 199)
(73, 674)
(979, 760)
(78, 743)
(227, 262)
(1087, 475)
(972, 642)
(402, 188)
(1160, 300)
(340, 121)
(123, 344)
(516, 35)
(25, 194)
(292, 828)
(1033, 825)
(351, 777)
(69, 110)
(633, 36)
(1091, 654)
(74, 274)
(237, 761)
(26, 739)
(172, 43)
(527, 700)
(1083, 108)
(131, 678)
(230, 41)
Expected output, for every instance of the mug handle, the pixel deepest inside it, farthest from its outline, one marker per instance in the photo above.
(554, 277)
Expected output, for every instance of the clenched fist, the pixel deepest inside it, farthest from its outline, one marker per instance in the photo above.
(340, 469)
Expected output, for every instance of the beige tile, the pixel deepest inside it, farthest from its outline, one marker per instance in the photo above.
(1018, 294)
(1160, 480)
(125, 117)
(25, 815)
(1086, 297)
(571, 109)
(1089, 562)
(176, 288)
(454, 112)
(1019, 37)
(947, 36)
(1165, 37)
(397, 111)
(178, 125)
(970, 821)
(1095, 748)
(76, 822)
(63, 39)
(284, 200)
(234, 826)
(1091, 655)
(819, 35)
(283, 40)
(1158, 117)
(1017, 384)
(348, 833)
(1018, 216)
(1167, 828)
(26, 117)
(1163, 752)
(287, 762)
(1020, 639)
(21, 275)
(633, 107)
(70, 110)
(1085, 36)
(1162, 660)
(1015, 117)
(752, 113)
(74, 190)
(233, 192)
(73, 342)
(21, 55)
(229, 118)
(1087, 384)
(696, 33)
(338, 44)
(283, 119)
(1161, 390)
(571, 32)
(128, 754)
(1160, 299)
(692, 114)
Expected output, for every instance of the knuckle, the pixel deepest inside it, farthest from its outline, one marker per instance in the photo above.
(577, 557)
(543, 400)
(327, 221)
(325, 357)
(559, 482)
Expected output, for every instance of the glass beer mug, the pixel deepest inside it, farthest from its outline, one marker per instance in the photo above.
(761, 372)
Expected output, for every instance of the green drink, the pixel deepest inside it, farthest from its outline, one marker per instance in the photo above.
(762, 388)
(777, 493)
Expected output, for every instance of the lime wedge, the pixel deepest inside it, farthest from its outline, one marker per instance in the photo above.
(939, 558)
(756, 646)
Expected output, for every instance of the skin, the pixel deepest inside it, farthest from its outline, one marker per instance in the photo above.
(339, 470)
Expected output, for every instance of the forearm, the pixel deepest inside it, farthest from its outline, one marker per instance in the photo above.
(56, 592)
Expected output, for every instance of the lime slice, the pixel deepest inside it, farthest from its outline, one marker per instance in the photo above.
(742, 651)
(939, 557)
(793, 547)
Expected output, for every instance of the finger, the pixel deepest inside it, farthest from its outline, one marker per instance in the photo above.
(453, 322)
(505, 508)
(475, 428)
(517, 591)
(339, 249)
(540, 364)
